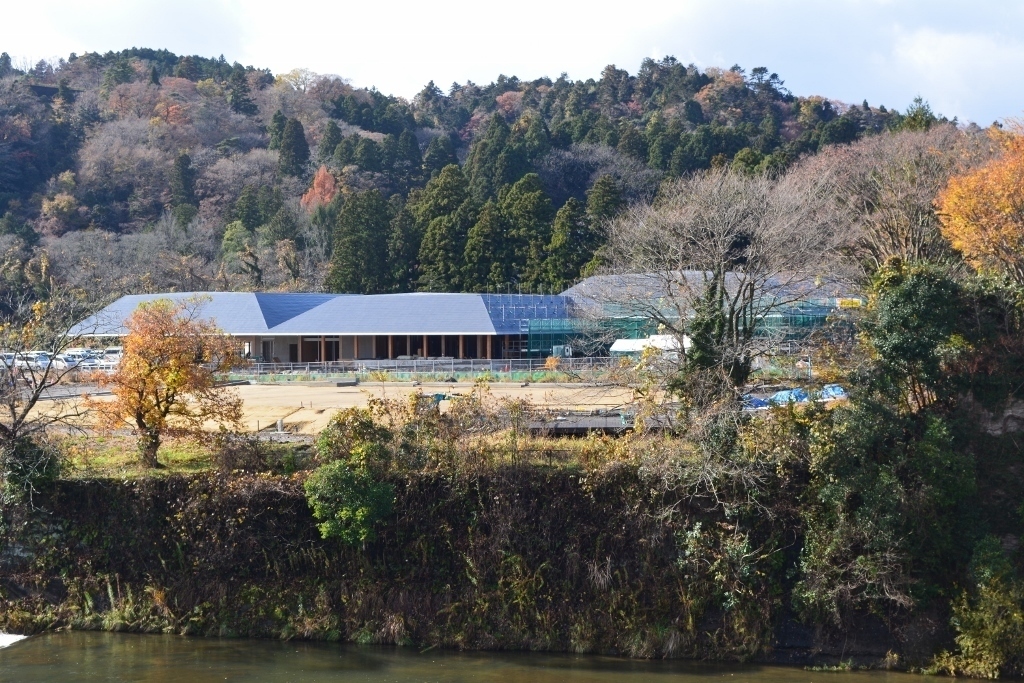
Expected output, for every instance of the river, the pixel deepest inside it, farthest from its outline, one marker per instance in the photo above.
(88, 657)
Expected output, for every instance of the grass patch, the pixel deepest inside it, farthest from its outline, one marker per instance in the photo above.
(92, 457)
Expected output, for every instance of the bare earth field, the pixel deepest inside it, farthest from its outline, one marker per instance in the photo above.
(306, 408)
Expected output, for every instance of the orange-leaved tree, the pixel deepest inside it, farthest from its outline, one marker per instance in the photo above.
(321, 192)
(982, 212)
(165, 384)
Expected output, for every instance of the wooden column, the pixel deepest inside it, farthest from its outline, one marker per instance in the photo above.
(489, 338)
(425, 354)
(323, 349)
(408, 345)
(462, 347)
(300, 349)
(391, 347)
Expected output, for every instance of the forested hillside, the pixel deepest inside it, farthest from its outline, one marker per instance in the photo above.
(145, 171)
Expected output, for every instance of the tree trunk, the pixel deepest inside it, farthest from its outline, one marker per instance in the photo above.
(149, 443)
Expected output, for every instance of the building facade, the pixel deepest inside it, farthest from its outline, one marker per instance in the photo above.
(307, 328)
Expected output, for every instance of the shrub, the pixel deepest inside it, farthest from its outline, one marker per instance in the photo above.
(349, 429)
(27, 466)
(249, 453)
(348, 502)
(988, 618)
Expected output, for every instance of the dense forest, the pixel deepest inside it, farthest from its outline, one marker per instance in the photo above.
(142, 170)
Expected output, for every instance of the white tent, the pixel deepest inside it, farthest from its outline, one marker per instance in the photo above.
(665, 342)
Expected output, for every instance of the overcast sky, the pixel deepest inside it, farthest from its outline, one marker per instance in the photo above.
(966, 57)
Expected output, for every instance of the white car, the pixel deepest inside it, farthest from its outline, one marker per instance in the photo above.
(65, 361)
(88, 365)
(33, 360)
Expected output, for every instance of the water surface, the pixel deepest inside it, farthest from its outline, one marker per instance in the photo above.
(172, 659)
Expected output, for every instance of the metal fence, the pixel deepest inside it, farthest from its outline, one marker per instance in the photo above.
(431, 366)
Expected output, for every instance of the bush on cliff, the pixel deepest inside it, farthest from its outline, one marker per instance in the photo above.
(348, 502)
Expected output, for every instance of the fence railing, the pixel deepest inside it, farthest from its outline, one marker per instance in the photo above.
(432, 366)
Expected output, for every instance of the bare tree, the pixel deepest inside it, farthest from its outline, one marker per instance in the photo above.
(887, 184)
(714, 258)
(31, 326)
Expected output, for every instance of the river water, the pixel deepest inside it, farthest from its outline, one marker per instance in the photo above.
(171, 659)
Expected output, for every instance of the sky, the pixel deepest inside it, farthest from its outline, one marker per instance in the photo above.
(965, 57)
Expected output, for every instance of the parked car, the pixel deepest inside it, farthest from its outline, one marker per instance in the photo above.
(32, 360)
(88, 364)
(7, 358)
(64, 361)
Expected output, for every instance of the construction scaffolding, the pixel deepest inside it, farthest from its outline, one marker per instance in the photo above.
(581, 336)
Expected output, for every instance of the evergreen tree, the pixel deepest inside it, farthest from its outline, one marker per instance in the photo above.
(294, 149)
(247, 208)
(276, 128)
(443, 249)
(344, 151)
(693, 112)
(440, 153)
(444, 212)
(154, 76)
(409, 150)
(120, 71)
(537, 140)
(403, 246)
(769, 134)
(604, 199)
(187, 67)
(388, 150)
(270, 201)
(239, 96)
(482, 164)
(328, 142)
(366, 155)
(443, 195)
(13, 225)
(573, 244)
(64, 91)
(631, 143)
(487, 258)
(359, 261)
(512, 164)
(529, 212)
(5, 65)
(184, 204)
(280, 226)
(919, 116)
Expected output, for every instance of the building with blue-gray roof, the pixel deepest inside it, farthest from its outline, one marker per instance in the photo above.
(300, 327)
(305, 327)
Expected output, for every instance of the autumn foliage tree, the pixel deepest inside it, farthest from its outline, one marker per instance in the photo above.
(982, 212)
(165, 384)
(321, 192)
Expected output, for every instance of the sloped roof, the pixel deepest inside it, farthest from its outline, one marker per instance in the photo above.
(647, 287)
(416, 313)
(233, 312)
(269, 314)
